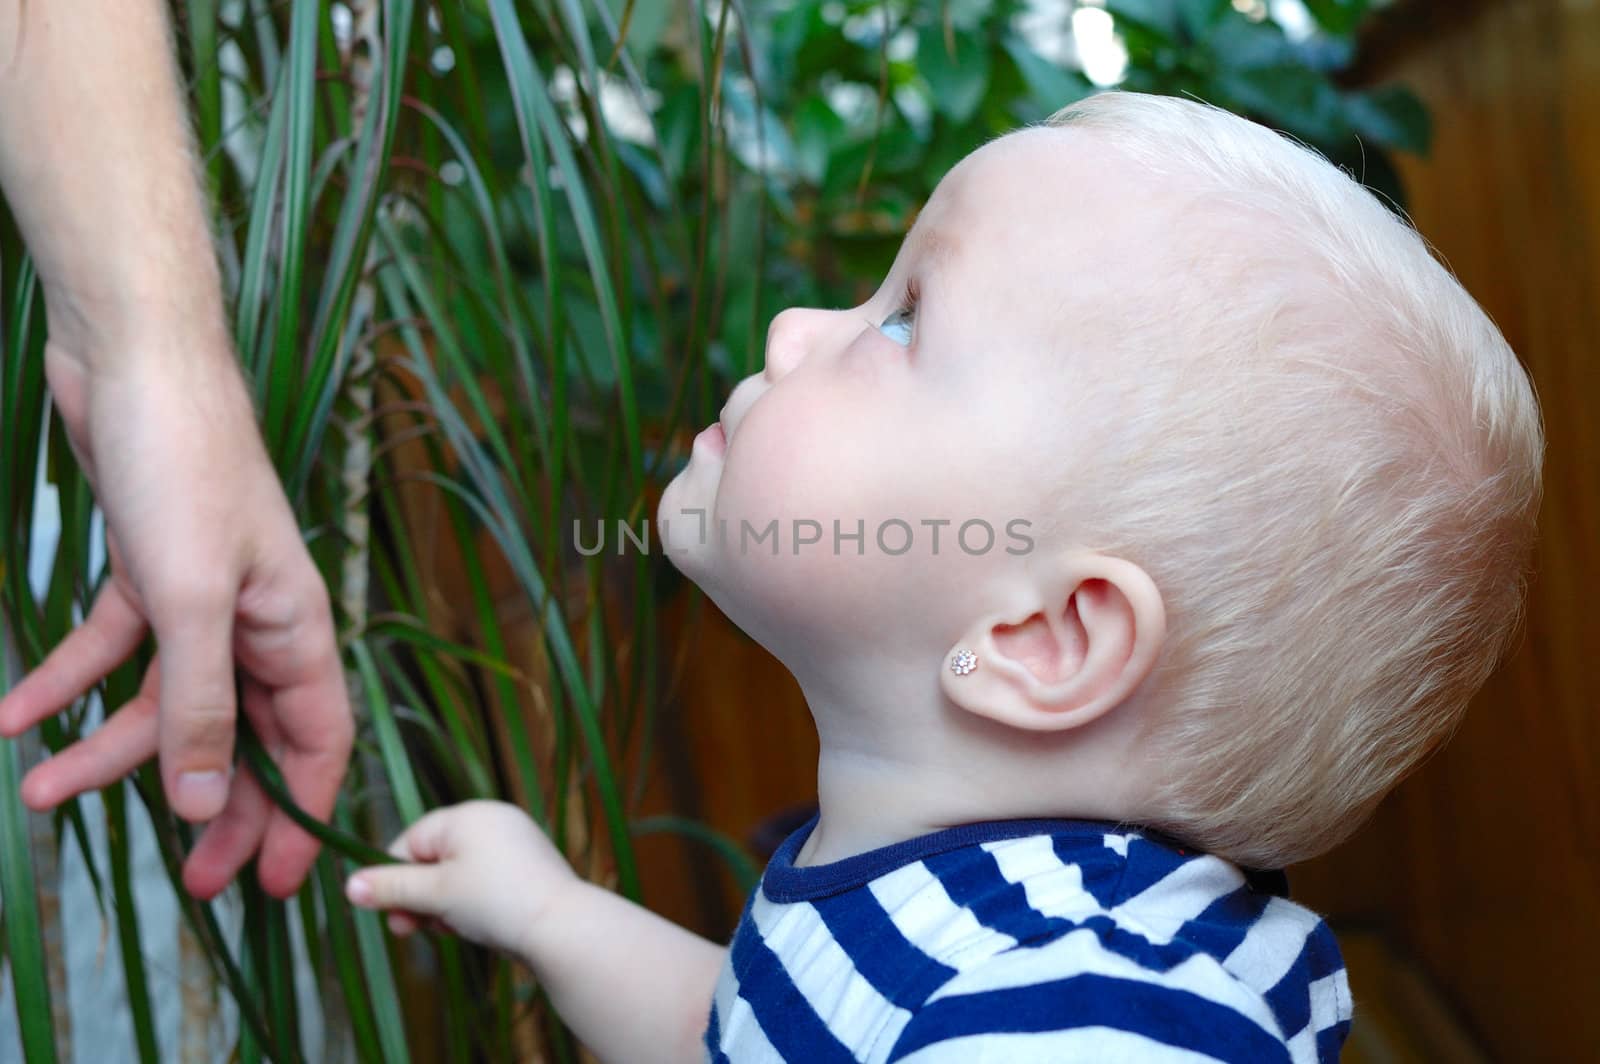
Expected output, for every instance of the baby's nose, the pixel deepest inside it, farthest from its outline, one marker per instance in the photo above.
(790, 337)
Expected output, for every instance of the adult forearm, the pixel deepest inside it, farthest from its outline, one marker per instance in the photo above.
(97, 167)
(632, 985)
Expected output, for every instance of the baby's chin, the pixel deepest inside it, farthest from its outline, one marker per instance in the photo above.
(677, 533)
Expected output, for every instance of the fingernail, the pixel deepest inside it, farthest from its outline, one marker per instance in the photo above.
(202, 794)
(358, 890)
(33, 796)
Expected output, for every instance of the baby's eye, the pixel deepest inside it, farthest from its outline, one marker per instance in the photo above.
(897, 326)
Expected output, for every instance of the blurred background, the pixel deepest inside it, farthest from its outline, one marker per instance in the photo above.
(492, 263)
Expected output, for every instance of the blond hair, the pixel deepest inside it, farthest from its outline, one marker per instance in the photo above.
(1336, 487)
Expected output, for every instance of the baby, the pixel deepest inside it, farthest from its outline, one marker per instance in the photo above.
(1159, 513)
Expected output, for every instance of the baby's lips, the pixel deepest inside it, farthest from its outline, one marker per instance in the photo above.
(714, 438)
(734, 410)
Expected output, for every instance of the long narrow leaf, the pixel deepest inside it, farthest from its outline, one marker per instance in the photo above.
(204, 59)
(346, 958)
(533, 100)
(271, 781)
(745, 872)
(349, 252)
(298, 85)
(409, 631)
(251, 300)
(379, 977)
(128, 937)
(401, 779)
(171, 842)
(30, 981)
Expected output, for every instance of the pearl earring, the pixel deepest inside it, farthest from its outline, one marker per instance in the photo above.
(964, 662)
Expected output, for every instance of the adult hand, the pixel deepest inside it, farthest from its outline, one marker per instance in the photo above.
(205, 551)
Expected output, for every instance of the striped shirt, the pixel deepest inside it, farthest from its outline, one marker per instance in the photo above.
(1025, 941)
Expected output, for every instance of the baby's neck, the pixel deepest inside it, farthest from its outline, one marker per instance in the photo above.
(866, 802)
(881, 785)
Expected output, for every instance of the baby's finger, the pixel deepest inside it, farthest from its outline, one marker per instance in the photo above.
(414, 887)
(424, 840)
(401, 924)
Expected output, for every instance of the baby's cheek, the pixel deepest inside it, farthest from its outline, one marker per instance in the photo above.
(774, 486)
(819, 545)
(785, 489)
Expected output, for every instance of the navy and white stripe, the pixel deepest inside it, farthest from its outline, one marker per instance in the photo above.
(1025, 940)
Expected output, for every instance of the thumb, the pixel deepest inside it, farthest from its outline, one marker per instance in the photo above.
(415, 888)
(197, 708)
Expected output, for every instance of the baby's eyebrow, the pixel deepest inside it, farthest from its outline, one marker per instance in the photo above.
(937, 246)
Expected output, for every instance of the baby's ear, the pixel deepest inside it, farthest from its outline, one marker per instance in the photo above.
(1090, 632)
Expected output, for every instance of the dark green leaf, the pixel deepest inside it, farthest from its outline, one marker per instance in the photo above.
(24, 943)
(1338, 17)
(956, 69)
(1392, 115)
(1239, 44)
(967, 14)
(1159, 17)
(1327, 54)
(818, 133)
(1291, 98)
(128, 941)
(1052, 86)
(1198, 17)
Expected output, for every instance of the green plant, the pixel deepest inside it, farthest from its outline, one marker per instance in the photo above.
(460, 269)
(361, 268)
(878, 99)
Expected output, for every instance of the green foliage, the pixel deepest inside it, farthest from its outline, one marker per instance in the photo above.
(867, 104)
(540, 240)
(1208, 50)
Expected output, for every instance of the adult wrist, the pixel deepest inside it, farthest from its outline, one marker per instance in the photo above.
(107, 323)
(106, 346)
(173, 375)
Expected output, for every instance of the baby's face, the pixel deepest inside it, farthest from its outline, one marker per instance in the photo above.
(944, 398)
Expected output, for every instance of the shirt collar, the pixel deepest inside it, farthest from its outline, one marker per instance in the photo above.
(784, 882)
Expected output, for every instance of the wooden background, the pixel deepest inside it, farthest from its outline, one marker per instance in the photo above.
(1484, 868)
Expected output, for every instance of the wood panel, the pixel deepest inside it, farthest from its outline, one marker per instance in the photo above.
(1485, 866)
(738, 750)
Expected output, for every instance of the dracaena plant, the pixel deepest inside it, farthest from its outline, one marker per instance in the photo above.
(447, 280)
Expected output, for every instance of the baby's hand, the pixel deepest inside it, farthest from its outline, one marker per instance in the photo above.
(483, 871)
